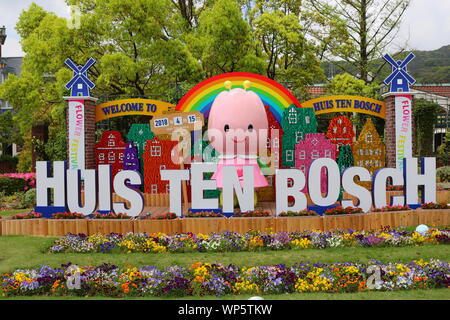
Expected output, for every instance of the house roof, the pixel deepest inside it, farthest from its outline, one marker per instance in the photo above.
(438, 89)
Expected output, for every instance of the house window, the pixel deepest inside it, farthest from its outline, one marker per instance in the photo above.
(154, 188)
(292, 117)
(302, 155)
(111, 143)
(298, 136)
(369, 137)
(101, 156)
(315, 154)
(155, 151)
(275, 143)
(307, 121)
(289, 155)
(111, 156)
(121, 156)
(327, 153)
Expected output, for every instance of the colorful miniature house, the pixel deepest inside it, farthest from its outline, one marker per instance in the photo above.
(274, 140)
(369, 151)
(110, 150)
(314, 146)
(296, 123)
(131, 159)
(157, 156)
(340, 131)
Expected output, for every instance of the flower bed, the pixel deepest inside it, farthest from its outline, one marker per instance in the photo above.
(166, 216)
(28, 215)
(68, 215)
(204, 214)
(302, 213)
(216, 279)
(251, 214)
(111, 215)
(391, 208)
(435, 206)
(342, 211)
(250, 241)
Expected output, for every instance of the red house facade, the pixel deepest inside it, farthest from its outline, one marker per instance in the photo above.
(110, 150)
(158, 156)
(314, 146)
(340, 131)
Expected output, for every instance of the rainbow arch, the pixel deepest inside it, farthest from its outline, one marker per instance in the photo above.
(272, 94)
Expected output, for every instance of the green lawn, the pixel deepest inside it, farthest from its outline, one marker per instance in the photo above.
(9, 213)
(29, 252)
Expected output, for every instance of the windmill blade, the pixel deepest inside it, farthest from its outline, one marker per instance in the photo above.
(407, 60)
(391, 77)
(71, 65)
(71, 82)
(88, 64)
(88, 82)
(389, 59)
(407, 76)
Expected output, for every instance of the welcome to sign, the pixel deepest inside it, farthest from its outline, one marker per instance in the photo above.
(345, 103)
(128, 107)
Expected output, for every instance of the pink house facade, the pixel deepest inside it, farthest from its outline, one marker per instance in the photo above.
(314, 146)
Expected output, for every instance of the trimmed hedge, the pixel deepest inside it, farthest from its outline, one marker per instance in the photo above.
(9, 186)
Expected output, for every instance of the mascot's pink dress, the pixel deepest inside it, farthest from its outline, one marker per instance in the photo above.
(235, 114)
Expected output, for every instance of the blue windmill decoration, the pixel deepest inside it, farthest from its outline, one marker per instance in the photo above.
(80, 83)
(399, 79)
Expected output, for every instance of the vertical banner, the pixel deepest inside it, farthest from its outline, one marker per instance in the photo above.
(75, 120)
(403, 128)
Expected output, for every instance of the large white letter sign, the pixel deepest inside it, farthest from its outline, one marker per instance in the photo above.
(45, 182)
(426, 180)
(133, 196)
(74, 191)
(175, 177)
(314, 181)
(349, 186)
(245, 195)
(199, 185)
(104, 189)
(379, 187)
(284, 190)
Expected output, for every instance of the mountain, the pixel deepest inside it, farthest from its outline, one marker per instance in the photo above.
(427, 67)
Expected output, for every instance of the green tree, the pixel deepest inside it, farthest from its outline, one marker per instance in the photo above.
(443, 150)
(9, 131)
(223, 41)
(349, 85)
(281, 36)
(425, 115)
(356, 32)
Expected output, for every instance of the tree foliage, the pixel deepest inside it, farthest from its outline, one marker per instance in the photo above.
(356, 31)
(425, 115)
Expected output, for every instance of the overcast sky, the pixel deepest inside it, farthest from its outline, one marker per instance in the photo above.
(426, 24)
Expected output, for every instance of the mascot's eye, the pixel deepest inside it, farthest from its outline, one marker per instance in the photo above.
(250, 128)
(226, 128)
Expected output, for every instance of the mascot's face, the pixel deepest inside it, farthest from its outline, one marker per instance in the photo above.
(237, 121)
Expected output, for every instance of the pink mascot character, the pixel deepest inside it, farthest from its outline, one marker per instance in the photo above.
(237, 129)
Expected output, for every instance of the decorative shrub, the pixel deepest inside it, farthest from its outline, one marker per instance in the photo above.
(28, 215)
(302, 213)
(9, 185)
(68, 215)
(30, 179)
(391, 208)
(443, 174)
(111, 215)
(204, 214)
(432, 205)
(341, 210)
(251, 214)
(166, 216)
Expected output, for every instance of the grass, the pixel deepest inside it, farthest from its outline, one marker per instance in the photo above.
(30, 252)
(9, 213)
